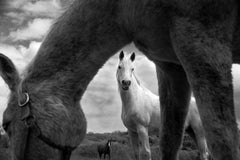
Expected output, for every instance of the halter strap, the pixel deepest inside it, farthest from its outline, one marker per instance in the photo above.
(30, 122)
(20, 104)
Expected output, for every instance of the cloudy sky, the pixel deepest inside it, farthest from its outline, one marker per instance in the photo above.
(23, 26)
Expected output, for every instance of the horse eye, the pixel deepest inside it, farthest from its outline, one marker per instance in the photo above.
(119, 67)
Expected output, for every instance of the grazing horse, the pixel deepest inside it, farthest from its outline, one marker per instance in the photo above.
(192, 42)
(104, 149)
(141, 111)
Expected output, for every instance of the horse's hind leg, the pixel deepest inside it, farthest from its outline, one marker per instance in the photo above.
(174, 92)
(206, 57)
(135, 143)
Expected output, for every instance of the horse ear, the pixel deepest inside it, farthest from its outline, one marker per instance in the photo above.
(9, 72)
(132, 57)
(121, 55)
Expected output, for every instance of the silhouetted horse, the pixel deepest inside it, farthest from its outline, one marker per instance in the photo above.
(104, 149)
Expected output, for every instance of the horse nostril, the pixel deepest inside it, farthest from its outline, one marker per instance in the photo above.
(125, 82)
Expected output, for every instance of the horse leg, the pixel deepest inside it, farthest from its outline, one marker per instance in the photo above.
(65, 155)
(174, 91)
(135, 143)
(201, 141)
(145, 152)
(206, 57)
(197, 133)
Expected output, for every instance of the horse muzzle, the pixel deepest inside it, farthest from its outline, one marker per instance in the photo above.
(126, 84)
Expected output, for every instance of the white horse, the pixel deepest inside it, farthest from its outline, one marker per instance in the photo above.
(141, 111)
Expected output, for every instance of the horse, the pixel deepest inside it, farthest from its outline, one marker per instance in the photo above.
(141, 111)
(40, 138)
(104, 149)
(192, 43)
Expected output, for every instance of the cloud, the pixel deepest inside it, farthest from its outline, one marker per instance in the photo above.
(17, 3)
(50, 8)
(17, 18)
(31, 51)
(3, 5)
(35, 30)
(20, 55)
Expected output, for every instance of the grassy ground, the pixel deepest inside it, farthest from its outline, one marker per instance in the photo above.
(121, 150)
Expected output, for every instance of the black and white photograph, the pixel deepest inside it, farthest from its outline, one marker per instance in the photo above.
(119, 79)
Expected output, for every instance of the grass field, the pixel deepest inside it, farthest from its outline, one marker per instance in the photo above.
(120, 149)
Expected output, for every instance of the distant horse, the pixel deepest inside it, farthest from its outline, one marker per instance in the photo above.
(104, 149)
(192, 42)
(141, 111)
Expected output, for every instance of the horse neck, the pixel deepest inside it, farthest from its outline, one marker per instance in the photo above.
(77, 46)
(128, 97)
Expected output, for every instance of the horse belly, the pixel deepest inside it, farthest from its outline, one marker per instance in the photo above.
(153, 37)
(155, 119)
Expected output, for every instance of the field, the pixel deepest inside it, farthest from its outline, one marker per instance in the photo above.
(120, 149)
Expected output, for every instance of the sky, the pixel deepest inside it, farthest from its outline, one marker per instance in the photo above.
(23, 26)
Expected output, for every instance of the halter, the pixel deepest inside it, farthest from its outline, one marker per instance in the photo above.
(30, 122)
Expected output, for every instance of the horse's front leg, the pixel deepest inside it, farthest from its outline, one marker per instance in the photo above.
(135, 143)
(174, 91)
(206, 57)
(145, 152)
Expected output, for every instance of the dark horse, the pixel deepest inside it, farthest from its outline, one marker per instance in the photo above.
(104, 149)
(192, 42)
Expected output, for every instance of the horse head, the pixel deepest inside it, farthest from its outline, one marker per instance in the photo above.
(31, 118)
(125, 70)
(20, 139)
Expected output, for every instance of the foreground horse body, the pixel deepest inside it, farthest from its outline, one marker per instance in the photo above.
(192, 43)
(141, 111)
(104, 149)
